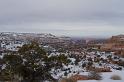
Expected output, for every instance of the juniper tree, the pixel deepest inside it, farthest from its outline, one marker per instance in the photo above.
(32, 63)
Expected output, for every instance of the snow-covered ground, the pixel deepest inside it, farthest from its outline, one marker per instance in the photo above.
(101, 81)
(106, 76)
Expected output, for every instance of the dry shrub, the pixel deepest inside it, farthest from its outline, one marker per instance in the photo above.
(66, 80)
(115, 77)
(79, 77)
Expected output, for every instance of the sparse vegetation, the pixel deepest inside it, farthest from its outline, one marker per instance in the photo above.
(36, 62)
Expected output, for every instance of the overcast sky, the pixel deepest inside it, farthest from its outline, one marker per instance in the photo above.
(63, 17)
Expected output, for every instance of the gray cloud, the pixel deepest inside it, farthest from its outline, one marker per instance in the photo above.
(58, 16)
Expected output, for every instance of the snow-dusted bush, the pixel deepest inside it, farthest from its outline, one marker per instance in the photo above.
(93, 75)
